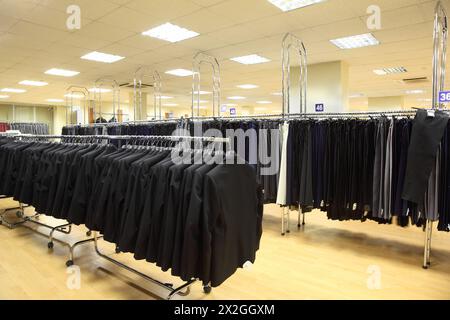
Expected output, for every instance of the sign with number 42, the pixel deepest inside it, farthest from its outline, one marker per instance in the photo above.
(444, 96)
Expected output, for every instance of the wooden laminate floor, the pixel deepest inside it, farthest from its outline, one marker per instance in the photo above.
(325, 260)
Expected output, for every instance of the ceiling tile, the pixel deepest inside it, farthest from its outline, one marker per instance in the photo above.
(36, 32)
(130, 19)
(92, 10)
(16, 9)
(166, 9)
(7, 22)
(242, 11)
(104, 32)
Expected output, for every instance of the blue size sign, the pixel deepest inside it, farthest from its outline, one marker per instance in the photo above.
(444, 96)
(233, 111)
(320, 107)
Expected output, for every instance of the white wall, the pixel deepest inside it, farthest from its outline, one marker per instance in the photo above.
(327, 84)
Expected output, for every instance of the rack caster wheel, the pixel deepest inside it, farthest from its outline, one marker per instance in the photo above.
(207, 289)
(69, 263)
(117, 250)
(50, 245)
(88, 234)
(425, 267)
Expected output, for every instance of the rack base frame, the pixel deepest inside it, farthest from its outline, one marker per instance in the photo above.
(168, 286)
(65, 228)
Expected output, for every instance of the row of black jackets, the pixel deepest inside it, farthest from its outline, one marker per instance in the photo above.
(167, 128)
(201, 221)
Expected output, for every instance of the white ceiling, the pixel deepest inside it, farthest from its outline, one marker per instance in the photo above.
(34, 38)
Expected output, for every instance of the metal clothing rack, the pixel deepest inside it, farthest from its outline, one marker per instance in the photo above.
(168, 286)
(199, 59)
(172, 291)
(65, 228)
(440, 35)
(20, 213)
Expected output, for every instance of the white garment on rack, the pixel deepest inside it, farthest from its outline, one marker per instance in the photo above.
(281, 195)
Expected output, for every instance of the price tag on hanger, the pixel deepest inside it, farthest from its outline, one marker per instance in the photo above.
(444, 96)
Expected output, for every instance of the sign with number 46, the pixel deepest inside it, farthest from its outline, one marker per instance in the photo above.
(444, 96)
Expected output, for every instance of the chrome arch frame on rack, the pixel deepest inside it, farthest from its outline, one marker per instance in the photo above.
(440, 35)
(72, 93)
(199, 59)
(290, 42)
(157, 87)
(99, 85)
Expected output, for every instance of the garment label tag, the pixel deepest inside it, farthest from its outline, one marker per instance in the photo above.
(430, 113)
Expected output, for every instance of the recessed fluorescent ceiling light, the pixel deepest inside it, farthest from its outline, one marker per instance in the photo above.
(236, 98)
(203, 101)
(250, 59)
(74, 95)
(180, 72)
(247, 86)
(385, 71)
(277, 94)
(288, 5)
(170, 32)
(102, 57)
(62, 72)
(55, 100)
(230, 105)
(33, 83)
(3, 96)
(202, 92)
(99, 90)
(12, 90)
(380, 72)
(202, 107)
(358, 41)
(170, 104)
(414, 91)
(263, 102)
(166, 97)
